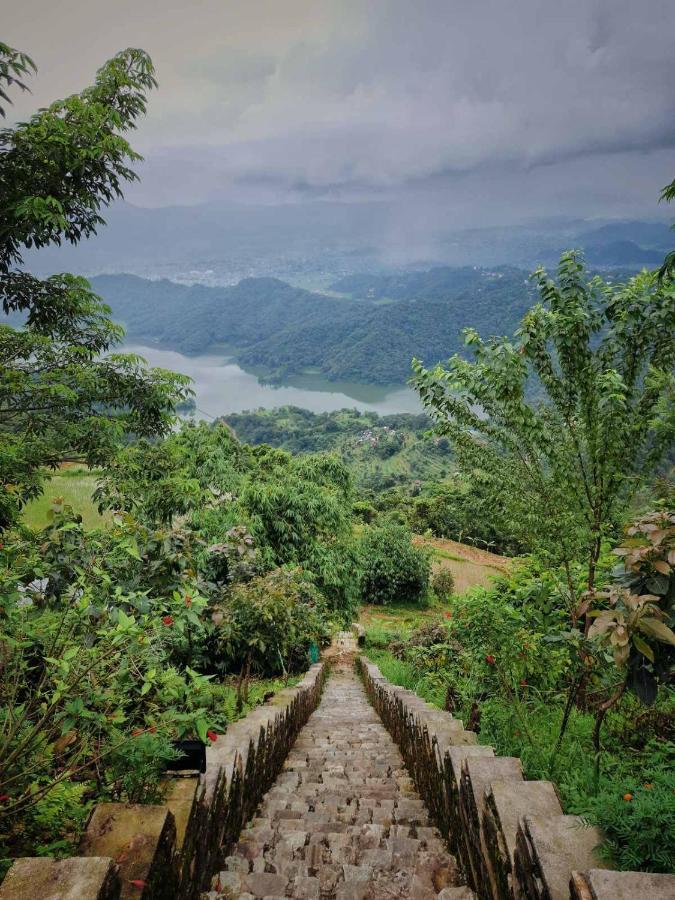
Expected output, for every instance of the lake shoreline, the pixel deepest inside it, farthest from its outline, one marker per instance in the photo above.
(306, 379)
(222, 386)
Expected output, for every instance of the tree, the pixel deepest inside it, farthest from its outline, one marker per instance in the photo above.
(562, 422)
(62, 394)
(147, 480)
(392, 569)
(668, 267)
(294, 504)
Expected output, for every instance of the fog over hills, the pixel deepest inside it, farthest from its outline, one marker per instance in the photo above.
(315, 243)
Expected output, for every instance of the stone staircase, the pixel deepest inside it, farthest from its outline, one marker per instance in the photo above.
(346, 788)
(343, 819)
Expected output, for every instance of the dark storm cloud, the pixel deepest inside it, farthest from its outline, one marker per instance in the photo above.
(338, 97)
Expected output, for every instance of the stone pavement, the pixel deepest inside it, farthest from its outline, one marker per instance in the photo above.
(343, 819)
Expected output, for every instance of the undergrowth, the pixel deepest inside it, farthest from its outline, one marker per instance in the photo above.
(633, 802)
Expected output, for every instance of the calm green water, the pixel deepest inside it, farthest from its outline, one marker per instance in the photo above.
(224, 387)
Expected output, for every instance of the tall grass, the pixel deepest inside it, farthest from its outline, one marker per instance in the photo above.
(401, 673)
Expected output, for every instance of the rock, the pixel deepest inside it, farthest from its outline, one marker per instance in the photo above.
(265, 885)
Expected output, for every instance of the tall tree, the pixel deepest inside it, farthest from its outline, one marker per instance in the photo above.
(560, 468)
(668, 267)
(62, 393)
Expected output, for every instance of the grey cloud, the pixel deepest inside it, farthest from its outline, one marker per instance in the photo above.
(337, 97)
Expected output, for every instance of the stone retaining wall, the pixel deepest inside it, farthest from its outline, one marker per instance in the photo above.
(510, 835)
(169, 851)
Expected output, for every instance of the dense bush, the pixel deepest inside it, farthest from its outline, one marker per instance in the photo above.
(504, 661)
(443, 584)
(269, 623)
(392, 569)
(112, 645)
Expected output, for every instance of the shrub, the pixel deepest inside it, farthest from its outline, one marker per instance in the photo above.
(268, 624)
(443, 584)
(392, 569)
(638, 824)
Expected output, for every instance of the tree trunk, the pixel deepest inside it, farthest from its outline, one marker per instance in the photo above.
(242, 684)
(602, 711)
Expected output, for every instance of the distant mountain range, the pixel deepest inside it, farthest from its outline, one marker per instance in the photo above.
(369, 335)
(622, 254)
(313, 243)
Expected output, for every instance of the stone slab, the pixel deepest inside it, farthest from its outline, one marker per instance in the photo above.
(548, 850)
(141, 840)
(77, 878)
(603, 884)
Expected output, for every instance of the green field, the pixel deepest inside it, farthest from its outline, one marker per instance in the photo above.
(75, 486)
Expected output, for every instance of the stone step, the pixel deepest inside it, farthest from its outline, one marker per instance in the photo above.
(343, 820)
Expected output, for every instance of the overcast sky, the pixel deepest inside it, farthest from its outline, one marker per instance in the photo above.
(491, 109)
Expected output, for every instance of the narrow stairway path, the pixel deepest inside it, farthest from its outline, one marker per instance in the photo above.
(343, 819)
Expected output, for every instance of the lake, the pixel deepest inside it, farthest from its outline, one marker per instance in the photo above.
(222, 387)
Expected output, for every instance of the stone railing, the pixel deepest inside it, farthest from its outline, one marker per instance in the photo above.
(169, 851)
(510, 835)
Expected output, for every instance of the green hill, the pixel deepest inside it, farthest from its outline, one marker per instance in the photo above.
(369, 336)
(381, 451)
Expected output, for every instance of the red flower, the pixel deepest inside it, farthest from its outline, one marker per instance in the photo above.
(188, 600)
(490, 660)
(168, 621)
(4, 798)
(212, 736)
(448, 615)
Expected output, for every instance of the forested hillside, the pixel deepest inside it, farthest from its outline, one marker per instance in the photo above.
(380, 451)
(284, 330)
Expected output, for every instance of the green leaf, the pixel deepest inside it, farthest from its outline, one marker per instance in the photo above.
(201, 727)
(132, 550)
(643, 647)
(658, 630)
